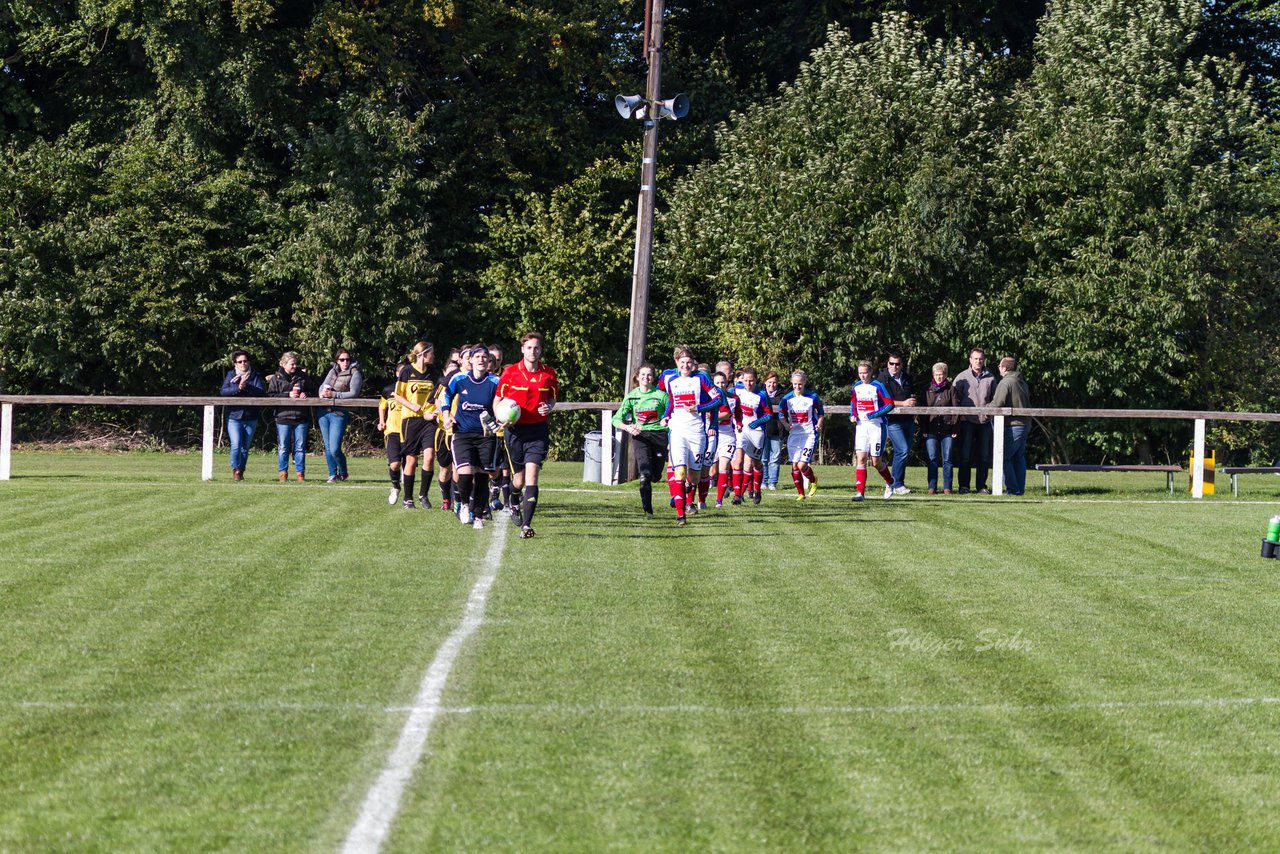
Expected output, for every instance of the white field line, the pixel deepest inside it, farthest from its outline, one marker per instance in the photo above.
(382, 801)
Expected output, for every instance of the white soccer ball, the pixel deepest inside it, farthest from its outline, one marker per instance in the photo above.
(506, 410)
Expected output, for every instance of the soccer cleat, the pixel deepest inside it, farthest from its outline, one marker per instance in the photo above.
(755, 497)
(408, 504)
(858, 496)
(719, 505)
(425, 502)
(693, 508)
(888, 491)
(901, 490)
(495, 504)
(702, 505)
(464, 516)
(446, 504)
(802, 498)
(393, 496)
(811, 488)
(478, 524)
(679, 521)
(526, 533)
(737, 499)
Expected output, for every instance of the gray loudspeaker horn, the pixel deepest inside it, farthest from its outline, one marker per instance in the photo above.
(631, 106)
(675, 108)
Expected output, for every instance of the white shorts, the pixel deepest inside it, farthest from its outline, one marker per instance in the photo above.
(751, 442)
(800, 446)
(727, 446)
(868, 438)
(687, 450)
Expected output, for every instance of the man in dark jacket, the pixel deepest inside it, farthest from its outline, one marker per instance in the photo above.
(1012, 391)
(902, 428)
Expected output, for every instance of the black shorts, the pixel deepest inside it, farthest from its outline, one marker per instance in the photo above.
(650, 448)
(527, 443)
(394, 454)
(473, 449)
(419, 435)
(498, 462)
(444, 449)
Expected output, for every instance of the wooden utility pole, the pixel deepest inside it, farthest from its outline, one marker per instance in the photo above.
(648, 185)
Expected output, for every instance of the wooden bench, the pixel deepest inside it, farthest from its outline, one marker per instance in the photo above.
(1236, 471)
(1049, 467)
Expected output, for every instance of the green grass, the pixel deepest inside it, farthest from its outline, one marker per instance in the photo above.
(194, 665)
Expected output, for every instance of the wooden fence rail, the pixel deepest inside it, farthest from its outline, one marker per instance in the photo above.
(606, 409)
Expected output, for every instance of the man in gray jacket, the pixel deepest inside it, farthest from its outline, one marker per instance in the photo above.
(975, 386)
(1013, 391)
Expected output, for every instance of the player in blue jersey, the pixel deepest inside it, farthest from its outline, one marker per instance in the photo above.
(690, 396)
(467, 404)
(804, 415)
(755, 413)
(869, 404)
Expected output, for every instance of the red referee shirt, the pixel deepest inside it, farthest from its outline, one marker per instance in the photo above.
(529, 388)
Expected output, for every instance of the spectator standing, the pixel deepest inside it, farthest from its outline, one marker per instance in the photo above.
(241, 381)
(975, 386)
(940, 430)
(341, 383)
(902, 428)
(1013, 391)
(291, 382)
(774, 431)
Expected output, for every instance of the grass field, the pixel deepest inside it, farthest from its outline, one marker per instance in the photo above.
(194, 666)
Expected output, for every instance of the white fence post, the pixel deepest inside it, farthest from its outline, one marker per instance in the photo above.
(1197, 464)
(206, 454)
(6, 439)
(997, 455)
(606, 448)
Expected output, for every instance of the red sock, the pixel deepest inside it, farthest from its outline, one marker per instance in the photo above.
(737, 482)
(757, 477)
(677, 492)
(860, 478)
(722, 483)
(798, 479)
(704, 486)
(810, 475)
(884, 473)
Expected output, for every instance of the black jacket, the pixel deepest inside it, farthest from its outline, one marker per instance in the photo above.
(899, 390)
(280, 385)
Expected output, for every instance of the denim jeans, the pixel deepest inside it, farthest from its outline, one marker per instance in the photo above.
(291, 437)
(240, 434)
(332, 427)
(975, 453)
(900, 435)
(1015, 458)
(938, 447)
(772, 458)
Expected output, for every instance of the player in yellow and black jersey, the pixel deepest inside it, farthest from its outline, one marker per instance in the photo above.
(389, 411)
(416, 393)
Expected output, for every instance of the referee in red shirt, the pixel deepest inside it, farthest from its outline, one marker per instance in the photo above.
(534, 387)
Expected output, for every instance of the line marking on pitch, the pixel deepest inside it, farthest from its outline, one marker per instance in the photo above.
(382, 801)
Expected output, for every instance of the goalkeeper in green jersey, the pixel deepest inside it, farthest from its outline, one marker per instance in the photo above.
(641, 415)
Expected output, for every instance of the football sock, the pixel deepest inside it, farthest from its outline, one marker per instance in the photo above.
(394, 474)
(408, 486)
(884, 473)
(466, 484)
(860, 478)
(798, 479)
(677, 493)
(722, 484)
(480, 497)
(757, 477)
(737, 482)
(426, 484)
(808, 473)
(529, 504)
(646, 493)
(704, 486)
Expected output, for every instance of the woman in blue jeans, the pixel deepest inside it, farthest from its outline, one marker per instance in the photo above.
(341, 383)
(241, 381)
(292, 423)
(940, 430)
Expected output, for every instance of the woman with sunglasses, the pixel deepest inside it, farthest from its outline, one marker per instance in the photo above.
(341, 383)
(241, 381)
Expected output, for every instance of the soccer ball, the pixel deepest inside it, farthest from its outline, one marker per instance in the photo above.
(506, 410)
